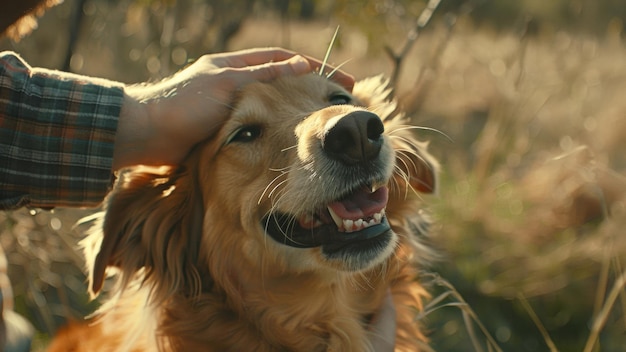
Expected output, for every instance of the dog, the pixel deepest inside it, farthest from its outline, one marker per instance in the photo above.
(283, 232)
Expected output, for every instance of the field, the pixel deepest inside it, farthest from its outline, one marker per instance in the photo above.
(530, 131)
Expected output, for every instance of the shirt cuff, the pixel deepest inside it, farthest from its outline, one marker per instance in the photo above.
(57, 133)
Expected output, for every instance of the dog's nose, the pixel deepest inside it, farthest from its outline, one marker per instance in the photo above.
(354, 138)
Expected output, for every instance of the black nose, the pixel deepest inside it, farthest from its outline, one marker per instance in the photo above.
(355, 138)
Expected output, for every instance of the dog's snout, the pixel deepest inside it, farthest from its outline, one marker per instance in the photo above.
(354, 138)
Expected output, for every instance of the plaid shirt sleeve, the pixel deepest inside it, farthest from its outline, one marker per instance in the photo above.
(56, 136)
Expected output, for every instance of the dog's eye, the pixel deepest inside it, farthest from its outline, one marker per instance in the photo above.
(340, 99)
(245, 134)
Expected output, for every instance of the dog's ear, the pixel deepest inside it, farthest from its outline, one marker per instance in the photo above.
(414, 165)
(152, 222)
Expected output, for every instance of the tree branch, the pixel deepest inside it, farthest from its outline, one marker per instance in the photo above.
(420, 24)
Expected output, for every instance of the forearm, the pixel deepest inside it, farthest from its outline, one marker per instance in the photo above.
(61, 135)
(57, 134)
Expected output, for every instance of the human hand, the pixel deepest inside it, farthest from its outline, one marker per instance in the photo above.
(159, 123)
(383, 326)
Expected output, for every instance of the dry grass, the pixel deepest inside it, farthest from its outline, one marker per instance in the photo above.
(532, 203)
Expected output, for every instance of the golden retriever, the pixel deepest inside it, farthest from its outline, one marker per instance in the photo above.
(283, 232)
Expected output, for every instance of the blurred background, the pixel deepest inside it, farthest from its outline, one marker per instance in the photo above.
(528, 99)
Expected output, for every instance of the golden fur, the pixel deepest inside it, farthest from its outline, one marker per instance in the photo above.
(196, 270)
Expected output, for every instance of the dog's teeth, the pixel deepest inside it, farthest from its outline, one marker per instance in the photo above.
(375, 187)
(309, 221)
(347, 224)
(338, 221)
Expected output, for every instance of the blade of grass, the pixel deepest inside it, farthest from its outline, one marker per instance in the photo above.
(331, 73)
(469, 327)
(600, 320)
(469, 316)
(617, 264)
(529, 309)
(603, 284)
(330, 48)
(426, 312)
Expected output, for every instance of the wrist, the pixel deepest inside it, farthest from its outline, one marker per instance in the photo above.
(133, 131)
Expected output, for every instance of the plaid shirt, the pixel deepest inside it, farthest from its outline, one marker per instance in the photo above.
(56, 136)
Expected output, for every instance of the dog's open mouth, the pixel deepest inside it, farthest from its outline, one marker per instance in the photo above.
(357, 218)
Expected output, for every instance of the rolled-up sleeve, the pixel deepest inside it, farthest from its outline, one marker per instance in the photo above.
(56, 136)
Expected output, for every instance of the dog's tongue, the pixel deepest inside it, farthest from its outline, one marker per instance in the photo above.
(361, 204)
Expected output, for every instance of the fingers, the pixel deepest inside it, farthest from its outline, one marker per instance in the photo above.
(295, 65)
(252, 57)
(270, 63)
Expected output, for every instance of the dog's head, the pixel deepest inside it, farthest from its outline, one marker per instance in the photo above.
(304, 176)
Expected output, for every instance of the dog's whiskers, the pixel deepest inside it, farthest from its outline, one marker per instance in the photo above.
(282, 169)
(404, 152)
(394, 185)
(276, 187)
(289, 148)
(422, 128)
(404, 176)
(269, 185)
(409, 151)
(285, 229)
(273, 207)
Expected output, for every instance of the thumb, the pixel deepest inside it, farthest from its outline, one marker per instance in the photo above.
(294, 66)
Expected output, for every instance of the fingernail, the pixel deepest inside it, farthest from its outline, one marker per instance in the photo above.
(299, 64)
